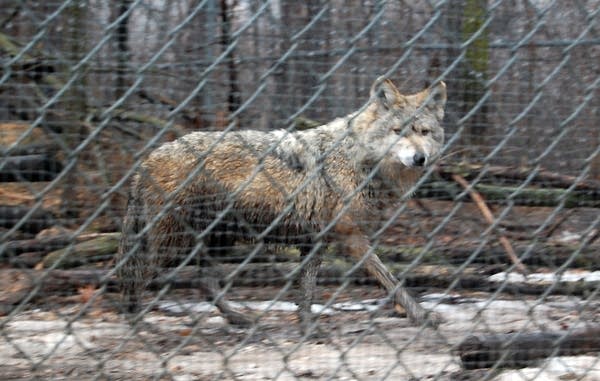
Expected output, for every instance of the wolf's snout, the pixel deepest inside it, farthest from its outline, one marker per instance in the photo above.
(410, 156)
(419, 159)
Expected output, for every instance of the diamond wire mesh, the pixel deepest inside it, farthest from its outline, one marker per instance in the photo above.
(500, 237)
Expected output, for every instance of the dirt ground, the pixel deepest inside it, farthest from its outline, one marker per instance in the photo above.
(358, 339)
(83, 337)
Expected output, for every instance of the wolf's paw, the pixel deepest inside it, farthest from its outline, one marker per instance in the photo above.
(315, 333)
(427, 318)
(434, 319)
(242, 320)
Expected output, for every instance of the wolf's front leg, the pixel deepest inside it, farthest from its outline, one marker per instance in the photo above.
(357, 245)
(307, 282)
(417, 314)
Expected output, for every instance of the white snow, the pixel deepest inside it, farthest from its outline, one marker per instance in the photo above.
(547, 278)
(268, 305)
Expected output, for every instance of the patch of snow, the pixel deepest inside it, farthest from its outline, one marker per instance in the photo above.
(321, 310)
(179, 308)
(269, 305)
(507, 277)
(547, 278)
(37, 325)
(584, 368)
(567, 236)
(453, 298)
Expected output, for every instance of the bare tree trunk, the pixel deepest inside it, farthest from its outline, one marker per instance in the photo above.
(520, 350)
(475, 73)
(234, 99)
(314, 40)
(452, 20)
(282, 73)
(74, 102)
(121, 37)
(526, 96)
(595, 163)
(466, 84)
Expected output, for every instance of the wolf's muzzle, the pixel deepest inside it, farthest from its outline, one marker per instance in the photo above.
(419, 159)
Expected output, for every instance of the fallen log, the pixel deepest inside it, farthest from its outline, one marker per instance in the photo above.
(27, 260)
(12, 249)
(39, 167)
(18, 134)
(265, 274)
(545, 188)
(541, 196)
(542, 255)
(94, 250)
(495, 194)
(519, 350)
(50, 79)
(501, 174)
(46, 244)
(40, 219)
(16, 285)
(35, 148)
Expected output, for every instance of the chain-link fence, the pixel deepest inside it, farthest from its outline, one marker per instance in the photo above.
(226, 231)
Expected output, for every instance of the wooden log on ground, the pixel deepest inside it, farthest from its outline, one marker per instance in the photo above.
(500, 174)
(495, 194)
(36, 148)
(265, 274)
(147, 120)
(15, 285)
(12, 249)
(517, 350)
(27, 260)
(542, 255)
(334, 273)
(259, 274)
(39, 167)
(23, 253)
(40, 219)
(13, 132)
(48, 244)
(101, 248)
(48, 78)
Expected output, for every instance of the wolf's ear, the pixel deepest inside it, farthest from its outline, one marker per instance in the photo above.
(385, 93)
(435, 97)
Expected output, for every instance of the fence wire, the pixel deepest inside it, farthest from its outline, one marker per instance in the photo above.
(171, 156)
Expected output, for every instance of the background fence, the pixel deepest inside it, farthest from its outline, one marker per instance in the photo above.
(89, 87)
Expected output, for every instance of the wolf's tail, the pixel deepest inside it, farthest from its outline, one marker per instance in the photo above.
(131, 264)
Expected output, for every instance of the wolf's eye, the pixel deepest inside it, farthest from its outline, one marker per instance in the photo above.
(425, 132)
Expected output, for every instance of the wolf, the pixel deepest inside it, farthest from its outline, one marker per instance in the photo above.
(305, 188)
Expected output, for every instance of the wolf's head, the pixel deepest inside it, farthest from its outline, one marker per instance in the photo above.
(406, 129)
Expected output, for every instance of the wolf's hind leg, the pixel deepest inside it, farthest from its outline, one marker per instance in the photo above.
(210, 285)
(307, 281)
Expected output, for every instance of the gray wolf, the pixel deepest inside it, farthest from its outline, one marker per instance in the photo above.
(306, 188)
